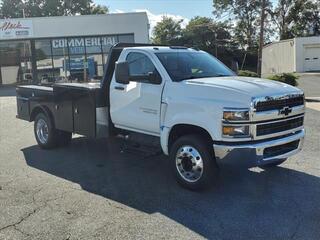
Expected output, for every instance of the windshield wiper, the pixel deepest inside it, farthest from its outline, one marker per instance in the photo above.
(221, 75)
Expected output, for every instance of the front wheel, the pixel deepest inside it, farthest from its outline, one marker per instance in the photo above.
(193, 162)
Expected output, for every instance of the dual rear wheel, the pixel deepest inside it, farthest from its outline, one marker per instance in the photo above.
(46, 135)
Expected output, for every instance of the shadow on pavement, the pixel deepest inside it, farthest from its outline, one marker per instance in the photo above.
(7, 91)
(274, 204)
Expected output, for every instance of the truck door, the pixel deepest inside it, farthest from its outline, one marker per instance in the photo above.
(136, 106)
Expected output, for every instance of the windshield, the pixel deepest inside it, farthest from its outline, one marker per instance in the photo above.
(188, 65)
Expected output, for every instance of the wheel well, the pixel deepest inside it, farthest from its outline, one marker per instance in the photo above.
(186, 129)
(41, 109)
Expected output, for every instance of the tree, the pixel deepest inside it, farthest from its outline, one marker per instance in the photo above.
(167, 32)
(305, 18)
(99, 9)
(296, 18)
(11, 8)
(42, 8)
(205, 34)
(246, 16)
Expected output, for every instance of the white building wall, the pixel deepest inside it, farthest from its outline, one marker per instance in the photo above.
(278, 57)
(304, 46)
(105, 24)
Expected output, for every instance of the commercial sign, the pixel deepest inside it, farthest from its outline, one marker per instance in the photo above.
(11, 29)
(78, 45)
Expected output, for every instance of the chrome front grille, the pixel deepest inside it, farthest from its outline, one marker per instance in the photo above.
(279, 126)
(273, 117)
(278, 102)
(277, 115)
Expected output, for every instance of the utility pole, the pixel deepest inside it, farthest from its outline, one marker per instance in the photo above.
(216, 44)
(261, 41)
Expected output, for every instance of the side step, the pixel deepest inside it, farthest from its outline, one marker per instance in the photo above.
(140, 144)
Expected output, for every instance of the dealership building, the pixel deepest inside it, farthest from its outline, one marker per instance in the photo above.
(68, 48)
(293, 55)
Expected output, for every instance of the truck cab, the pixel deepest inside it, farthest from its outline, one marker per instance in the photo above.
(197, 109)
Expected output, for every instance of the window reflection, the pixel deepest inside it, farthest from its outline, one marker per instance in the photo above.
(58, 59)
(15, 62)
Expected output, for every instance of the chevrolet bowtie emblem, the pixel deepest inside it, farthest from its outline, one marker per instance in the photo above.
(285, 111)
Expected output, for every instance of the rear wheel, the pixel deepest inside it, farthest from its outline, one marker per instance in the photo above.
(44, 131)
(193, 162)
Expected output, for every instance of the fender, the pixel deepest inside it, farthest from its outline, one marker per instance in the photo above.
(166, 131)
(41, 108)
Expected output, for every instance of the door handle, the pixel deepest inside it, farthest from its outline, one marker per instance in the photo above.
(119, 88)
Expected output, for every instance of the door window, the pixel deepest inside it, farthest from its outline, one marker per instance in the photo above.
(140, 64)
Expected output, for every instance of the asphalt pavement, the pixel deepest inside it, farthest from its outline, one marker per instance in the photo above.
(92, 190)
(310, 84)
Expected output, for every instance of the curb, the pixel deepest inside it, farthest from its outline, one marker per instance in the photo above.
(316, 99)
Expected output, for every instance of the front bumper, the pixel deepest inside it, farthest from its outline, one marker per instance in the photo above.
(261, 153)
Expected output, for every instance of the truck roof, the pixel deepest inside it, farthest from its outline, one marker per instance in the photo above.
(162, 48)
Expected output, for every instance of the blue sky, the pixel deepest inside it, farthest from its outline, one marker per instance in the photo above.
(177, 9)
(185, 8)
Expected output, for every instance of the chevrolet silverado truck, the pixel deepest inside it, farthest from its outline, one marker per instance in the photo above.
(182, 99)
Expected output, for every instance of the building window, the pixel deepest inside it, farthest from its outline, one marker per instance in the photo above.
(61, 71)
(60, 47)
(76, 46)
(44, 61)
(107, 42)
(15, 61)
(60, 59)
(93, 45)
(96, 66)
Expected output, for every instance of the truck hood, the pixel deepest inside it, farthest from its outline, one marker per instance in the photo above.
(252, 87)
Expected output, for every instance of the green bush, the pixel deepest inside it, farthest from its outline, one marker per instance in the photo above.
(287, 78)
(247, 73)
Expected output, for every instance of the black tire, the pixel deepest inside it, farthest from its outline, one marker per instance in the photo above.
(51, 141)
(199, 146)
(273, 164)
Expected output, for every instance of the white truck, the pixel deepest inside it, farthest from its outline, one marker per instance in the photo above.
(183, 99)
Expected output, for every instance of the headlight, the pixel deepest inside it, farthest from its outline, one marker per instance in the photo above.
(236, 131)
(236, 115)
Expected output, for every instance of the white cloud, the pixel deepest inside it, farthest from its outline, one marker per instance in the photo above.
(117, 11)
(155, 18)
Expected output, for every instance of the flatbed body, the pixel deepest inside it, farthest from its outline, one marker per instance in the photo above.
(75, 107)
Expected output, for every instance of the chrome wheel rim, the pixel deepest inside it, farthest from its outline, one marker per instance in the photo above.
(42, 131)
(189, 163)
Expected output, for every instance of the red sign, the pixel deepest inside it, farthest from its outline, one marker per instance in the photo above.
(12, 26)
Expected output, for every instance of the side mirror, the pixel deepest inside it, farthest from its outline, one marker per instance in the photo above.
(122, 72)
(235, 66)
(154, 77)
